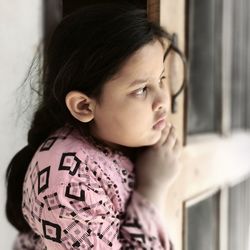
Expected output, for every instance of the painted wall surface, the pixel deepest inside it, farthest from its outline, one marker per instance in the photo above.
(20, 33)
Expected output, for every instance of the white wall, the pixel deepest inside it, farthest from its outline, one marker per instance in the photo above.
(20, 33)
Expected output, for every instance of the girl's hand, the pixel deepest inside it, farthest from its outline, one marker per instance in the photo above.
(158, 165)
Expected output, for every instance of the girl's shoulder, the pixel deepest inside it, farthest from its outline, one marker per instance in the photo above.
(71, 140)
(67, 160)
(63, 139)
(67, 142)
(67, 149)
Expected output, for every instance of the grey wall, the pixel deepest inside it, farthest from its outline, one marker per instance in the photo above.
(20, 32)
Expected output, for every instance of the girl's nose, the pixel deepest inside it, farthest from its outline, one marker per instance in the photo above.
(161, 101)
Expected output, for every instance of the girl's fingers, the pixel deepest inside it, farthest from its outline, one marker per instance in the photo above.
(171, 139)
(177, 148)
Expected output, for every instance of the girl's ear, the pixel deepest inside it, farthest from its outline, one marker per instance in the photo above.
(80, 106)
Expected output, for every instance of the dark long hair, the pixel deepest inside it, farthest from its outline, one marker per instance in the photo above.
(86, 49)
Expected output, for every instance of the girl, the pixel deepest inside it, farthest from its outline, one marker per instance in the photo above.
(100, 148)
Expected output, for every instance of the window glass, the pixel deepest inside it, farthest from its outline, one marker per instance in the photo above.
(202, 224)
(204, 46)
(239, 216)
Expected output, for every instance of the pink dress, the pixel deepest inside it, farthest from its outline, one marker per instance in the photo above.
(78, 194)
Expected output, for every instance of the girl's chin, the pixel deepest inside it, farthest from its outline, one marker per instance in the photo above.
(152, 141)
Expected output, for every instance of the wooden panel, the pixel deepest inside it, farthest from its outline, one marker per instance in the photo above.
(208, 162)
(153, 9)
(172, 16)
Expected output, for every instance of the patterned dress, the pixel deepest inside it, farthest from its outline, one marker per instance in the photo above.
(78, 194)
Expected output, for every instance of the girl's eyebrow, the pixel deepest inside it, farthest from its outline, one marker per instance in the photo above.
(139, 81)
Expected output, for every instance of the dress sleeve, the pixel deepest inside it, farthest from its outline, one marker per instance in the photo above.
(79, 213)
(89, 221)
(84, 219)
(142, 227)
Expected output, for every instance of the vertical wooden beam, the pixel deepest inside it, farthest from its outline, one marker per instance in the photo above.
(153, 10)
(172, 18)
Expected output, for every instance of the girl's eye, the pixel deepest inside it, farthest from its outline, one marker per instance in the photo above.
(141, 91)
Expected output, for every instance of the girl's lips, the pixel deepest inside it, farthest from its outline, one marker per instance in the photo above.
(160, 124)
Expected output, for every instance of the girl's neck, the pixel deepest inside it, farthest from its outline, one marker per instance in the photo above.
(116, 148)
(128, 152)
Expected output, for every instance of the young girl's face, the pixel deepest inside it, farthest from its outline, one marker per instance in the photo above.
(135, 103)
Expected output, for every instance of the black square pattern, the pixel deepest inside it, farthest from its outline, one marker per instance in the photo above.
(69, 162)
(51, 231)
(52, 201)
(43, 179)
(74, 191)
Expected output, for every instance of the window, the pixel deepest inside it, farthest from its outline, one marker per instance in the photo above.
(218, 53)
(219, 218)
(239, 216)
(201, 222)
(204, 52)
(240, 73)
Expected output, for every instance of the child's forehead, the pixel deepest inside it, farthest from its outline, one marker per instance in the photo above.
(143, 62)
